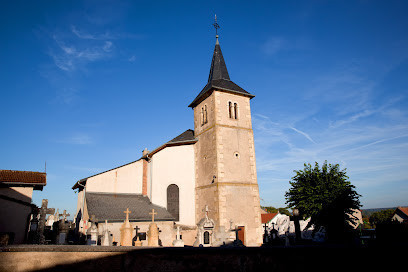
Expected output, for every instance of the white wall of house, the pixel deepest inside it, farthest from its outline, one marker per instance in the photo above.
(174, 165)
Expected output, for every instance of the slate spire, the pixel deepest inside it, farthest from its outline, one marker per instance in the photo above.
(219, 78)
(218, 68)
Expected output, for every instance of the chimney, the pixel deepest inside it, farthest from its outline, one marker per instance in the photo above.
(145, 164)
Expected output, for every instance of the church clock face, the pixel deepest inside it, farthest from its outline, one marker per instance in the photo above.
(173, 201)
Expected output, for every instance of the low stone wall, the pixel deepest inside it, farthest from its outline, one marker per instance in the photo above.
(88, 258)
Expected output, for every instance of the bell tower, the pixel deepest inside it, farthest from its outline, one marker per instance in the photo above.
(225, 165)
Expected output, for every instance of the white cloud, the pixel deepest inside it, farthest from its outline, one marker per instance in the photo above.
(70, 54)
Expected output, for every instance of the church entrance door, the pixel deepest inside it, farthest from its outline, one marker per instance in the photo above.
(241, 234)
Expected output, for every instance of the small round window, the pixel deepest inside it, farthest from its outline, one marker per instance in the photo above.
(236, 155)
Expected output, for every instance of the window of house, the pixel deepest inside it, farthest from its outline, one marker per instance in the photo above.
(235, 111)
(230, 109)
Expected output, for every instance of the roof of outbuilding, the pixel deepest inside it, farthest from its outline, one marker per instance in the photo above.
(218, 79)
(266, 217)
(111, 207)
(29, 178)
(404, 210)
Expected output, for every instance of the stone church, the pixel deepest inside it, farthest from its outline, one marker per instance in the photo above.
(202, 182)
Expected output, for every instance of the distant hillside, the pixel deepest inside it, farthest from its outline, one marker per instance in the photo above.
(368, 212)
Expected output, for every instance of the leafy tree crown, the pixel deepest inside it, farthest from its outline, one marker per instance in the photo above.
(323, 194)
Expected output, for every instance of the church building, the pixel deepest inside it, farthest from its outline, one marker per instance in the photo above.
(203, 181)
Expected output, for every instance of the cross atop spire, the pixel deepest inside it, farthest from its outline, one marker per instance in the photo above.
(216, 26)
(218, 78)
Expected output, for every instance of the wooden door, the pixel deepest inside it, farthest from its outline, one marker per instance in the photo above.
(241, 234)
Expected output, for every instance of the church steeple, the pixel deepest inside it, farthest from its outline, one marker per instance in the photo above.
(218, 78)
(218, 68)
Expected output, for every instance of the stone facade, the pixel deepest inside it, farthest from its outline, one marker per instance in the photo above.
(225, 165)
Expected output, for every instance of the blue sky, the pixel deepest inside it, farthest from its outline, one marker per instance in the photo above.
(87, 85)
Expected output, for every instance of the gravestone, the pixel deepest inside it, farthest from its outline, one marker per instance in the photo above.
(205, 229)
(50, 221)
(41, 223)
(178, 242)
(136, 239)
(92, 233)
(265, 235)
(153, 232)
(106, 236)
(126, 231)
(33, 236)
(237, 242)
(63, 228)
(64, 215)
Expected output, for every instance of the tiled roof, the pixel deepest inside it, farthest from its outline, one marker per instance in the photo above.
(22, 177)
(111, 207)
(266, 217)
(404, 210)
(187, 135)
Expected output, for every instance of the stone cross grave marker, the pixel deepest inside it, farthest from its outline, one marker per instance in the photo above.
(137, 242)
(153, 214)
(126, 231)
(137, 230)
(64, 215)
(44, 210)
(127, 213)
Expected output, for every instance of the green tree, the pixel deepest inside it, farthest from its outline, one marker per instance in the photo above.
(271, 209)
(326, 196)
(284, 211)
(379, 217)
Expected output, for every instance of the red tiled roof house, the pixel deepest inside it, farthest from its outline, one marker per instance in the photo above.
(16, 190)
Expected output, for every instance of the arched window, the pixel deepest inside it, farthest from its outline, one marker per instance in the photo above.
(173, 201)
(235, 110)
(205, 114)
(206, 237)
(230, 109)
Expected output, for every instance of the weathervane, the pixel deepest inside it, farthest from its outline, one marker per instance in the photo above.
(216, 26)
